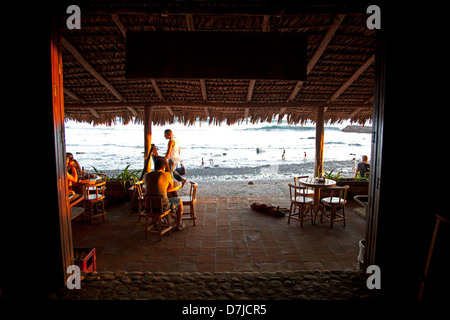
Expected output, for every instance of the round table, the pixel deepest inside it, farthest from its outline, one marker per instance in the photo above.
(316, 184)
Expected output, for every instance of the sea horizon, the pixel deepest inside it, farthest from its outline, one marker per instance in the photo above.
(219, 146)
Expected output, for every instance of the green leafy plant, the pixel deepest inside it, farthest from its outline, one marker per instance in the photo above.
(124, 176)
(332, 176)
(359, 178)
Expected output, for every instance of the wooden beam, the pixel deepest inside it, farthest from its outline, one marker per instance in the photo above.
(89, 68)
(133, 111)
(170, 110)
(206, 112)
(214, 105)
(190, 22)
(119, 24)
(77, 98)
(73, 95)
(203, 88)
(158, 91)
(94, 113)
(351, 115)
(320, 50)
(325, 41)
(352, 78)
(251, 86)
(318, 166)
(266, 23)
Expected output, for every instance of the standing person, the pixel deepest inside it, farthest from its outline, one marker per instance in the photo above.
(304, 159)
(159, 183)
(173, 155)
(283, 157)
(354, 165)
(363, 167)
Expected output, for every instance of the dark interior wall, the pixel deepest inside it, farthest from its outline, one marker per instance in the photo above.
(413, 179)
(31, 243)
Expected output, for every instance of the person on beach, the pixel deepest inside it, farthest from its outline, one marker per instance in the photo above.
(283, 157)
(363, 167)
(304, 159)
(172, 155)
(354, 165)
(159, 183)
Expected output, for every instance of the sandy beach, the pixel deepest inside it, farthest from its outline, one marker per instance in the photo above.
(267, 180)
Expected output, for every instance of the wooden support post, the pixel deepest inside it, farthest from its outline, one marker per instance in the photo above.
(148, 118)
(318, 167)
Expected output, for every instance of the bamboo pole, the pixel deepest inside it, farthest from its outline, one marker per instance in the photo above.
(318, 167)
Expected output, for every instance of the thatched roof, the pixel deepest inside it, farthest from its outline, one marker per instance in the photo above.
(340, 71)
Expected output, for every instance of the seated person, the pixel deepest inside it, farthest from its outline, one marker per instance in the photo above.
(72, 175)
(363, 167)
(74, 163)
(158, 183)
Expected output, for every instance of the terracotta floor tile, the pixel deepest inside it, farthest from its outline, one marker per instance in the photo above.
(228, 236)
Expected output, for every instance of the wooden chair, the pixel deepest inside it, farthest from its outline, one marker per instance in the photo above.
(94, 196)
(303, 201)
(189, 201)
(140, 198)
(308, 191)
(154, 209)
(75, 212)
(337, 199)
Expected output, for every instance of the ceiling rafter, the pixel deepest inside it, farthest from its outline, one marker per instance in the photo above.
(352, 78)
(77, 98)
(320, 50)
(349, 82)
(212, 105)
(77, 55)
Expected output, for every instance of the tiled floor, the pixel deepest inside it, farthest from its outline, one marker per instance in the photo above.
(229, 236)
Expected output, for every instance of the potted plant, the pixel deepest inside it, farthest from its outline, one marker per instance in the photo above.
(358, 185)
(117, 186)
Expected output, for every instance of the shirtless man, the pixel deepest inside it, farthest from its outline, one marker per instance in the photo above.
(158, 183)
